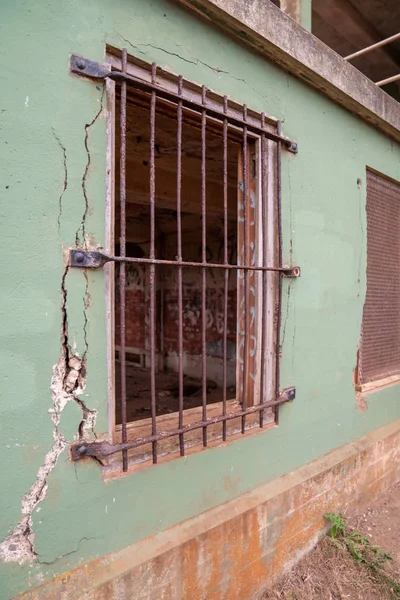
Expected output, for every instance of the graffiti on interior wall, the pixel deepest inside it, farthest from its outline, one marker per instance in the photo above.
(192, 313)
(248, 284)
(135, 277)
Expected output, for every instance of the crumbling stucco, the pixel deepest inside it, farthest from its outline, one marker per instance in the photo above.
(67, 384)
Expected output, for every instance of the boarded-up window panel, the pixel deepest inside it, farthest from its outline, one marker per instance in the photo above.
(380, 341)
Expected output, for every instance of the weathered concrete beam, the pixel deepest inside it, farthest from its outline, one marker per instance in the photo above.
(263, 26)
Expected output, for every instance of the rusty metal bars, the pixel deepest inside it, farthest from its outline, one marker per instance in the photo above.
(245, 272)
(94, 259)
(152, 266)
(280, 262)
(122, 270)
(204, 260)
(226, 272)
(87, 68)
(102, 448)
(179, 257)
(264, 232)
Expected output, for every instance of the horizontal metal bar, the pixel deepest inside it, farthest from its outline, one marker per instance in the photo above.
(103, 448)
(388, 80)
(94, 260)
(88, 68)
(388, 40)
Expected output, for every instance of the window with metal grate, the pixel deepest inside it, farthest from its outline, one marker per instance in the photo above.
(196, 259)
(379, 355)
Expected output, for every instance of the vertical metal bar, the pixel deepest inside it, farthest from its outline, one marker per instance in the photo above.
(152, 266)
(245, 272)
(122, 270)
(203, 257)
(179, 258)
(280, 262)
(264, 234)
(226, 272)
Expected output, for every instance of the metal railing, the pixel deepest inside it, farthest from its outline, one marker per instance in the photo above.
(375, 46)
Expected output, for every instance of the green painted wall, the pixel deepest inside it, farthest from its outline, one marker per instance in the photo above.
(45, 113)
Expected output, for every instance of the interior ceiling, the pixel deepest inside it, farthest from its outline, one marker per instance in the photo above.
(350, 25)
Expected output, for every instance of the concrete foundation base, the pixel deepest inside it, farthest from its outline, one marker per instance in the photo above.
(238, 549)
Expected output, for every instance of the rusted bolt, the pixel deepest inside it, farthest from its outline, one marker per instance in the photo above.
(81, 65)
(81, 449)
(296, 272)
(79, 257)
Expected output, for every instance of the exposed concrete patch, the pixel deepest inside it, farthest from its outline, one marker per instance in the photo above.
(361, 403)
(19, 545)
(67, 384)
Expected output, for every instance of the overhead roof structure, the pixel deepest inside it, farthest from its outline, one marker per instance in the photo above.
(348, 26)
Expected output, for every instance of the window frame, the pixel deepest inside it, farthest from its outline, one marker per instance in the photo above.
(250, 125)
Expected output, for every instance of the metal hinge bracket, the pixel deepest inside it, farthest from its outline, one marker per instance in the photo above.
(93, 70)
(87, 68)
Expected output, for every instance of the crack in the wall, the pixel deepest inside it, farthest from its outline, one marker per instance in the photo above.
(52, 562)
(82, 227)
(67, 383)
(65, 182)
(74, 379)
(290, 282)
(285, 320)
(195, 61)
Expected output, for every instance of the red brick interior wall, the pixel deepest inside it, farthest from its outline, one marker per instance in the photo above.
(137, 303)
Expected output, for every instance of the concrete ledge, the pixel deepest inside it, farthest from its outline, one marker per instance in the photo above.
(263, 26)
(235, 550)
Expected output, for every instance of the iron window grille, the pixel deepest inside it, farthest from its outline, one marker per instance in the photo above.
(253, 133)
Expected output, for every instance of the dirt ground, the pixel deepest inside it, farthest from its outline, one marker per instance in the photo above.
(328, 573)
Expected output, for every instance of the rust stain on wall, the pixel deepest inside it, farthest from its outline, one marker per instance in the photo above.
(238, 558)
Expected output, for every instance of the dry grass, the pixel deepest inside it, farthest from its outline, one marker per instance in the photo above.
(354, 564)
(328, 573)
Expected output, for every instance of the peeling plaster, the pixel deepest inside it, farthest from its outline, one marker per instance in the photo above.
(68, 383)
